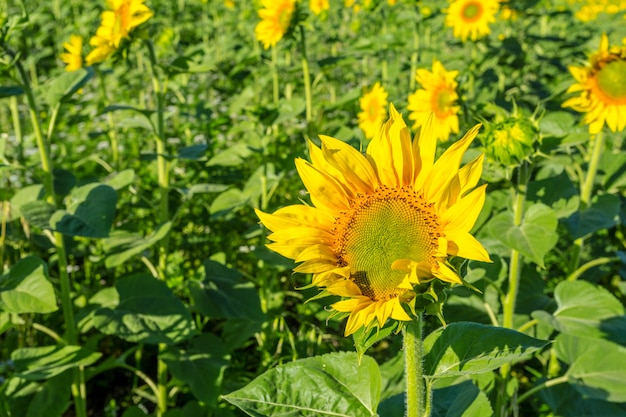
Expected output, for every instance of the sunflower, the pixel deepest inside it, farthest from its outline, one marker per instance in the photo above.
(74, 55)
(275, 21)
(373, 112)
(383, 221)
(438, 96)
(116, 24)
(471, 17)
(602, 88)
(318, 6)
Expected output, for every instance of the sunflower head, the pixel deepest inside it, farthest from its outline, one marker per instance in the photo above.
(601, 86)
(383, 224)
(471, 18)
(279, 18)
(373, 110)
(74, 55)
(318, 6)
(511, 140)
(437, 96)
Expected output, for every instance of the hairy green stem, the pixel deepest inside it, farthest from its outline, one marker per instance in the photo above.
(413, 361)
(163, 183)
(306, 75)
(71, 336)
(585, 195)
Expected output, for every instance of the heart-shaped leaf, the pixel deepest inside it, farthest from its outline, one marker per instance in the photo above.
(26, 288)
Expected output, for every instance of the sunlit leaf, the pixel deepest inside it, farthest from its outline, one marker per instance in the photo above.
(122, 246)
(44, 362)
(26, 288)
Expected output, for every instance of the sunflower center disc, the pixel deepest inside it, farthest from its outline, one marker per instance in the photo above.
(612, 80)
(444, 102)
(472, 11)
(381, 228)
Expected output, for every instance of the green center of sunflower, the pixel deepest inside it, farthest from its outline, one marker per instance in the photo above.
(381, 228)
(472, 11)
(612, 80)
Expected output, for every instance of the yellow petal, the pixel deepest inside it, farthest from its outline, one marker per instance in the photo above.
(325, 191)
(463, 214)
(350, 162)
(466, 246)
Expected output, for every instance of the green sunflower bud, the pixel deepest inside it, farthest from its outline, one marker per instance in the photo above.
(510, 141)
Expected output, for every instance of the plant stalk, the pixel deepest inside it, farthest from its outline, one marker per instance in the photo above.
(274, 74)
(306, 75)
(413, 359)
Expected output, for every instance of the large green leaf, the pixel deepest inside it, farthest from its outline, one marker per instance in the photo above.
(471, 348)
(461, 400)
(201, 366)
(62, 87)
(601, 214)
(224, 294)
(534, 238)
(122, 246)
(44, 362)
(90, 214)
(565, 401)
(597, 367)
(330, 385)
(38, 213)
(26, 288)
(53, 396)
(26, 195)
(148, 312)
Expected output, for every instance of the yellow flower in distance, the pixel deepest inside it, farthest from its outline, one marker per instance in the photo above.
(438, 96)
(275, 21)
(383, 221)
(373, 105)
(74, 55)
(602, 88)
(471, 18)
(116, 24)
(318, 6)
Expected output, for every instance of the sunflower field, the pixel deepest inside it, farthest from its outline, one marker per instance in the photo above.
(312, 208)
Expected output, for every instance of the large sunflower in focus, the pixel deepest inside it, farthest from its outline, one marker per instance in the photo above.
(383, 221)
(373, 110)
(602, 88)
(471, 18)
(275, 21)
(116, 24)
(438, 96)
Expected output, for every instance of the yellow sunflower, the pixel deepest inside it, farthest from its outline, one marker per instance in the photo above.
(471, 17)
(438, 96)
(116, 24)
(383, 221)
(318, 6)
(602, 88)
(275, 21)
(74, 55)
(373, 114)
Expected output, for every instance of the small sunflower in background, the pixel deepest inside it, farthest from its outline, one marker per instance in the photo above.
(437, 96)
(373, 110)
(602, 88)
(471, 18)
(382, 222)
(116, 24)
(318, 6)
(74, 55)
(276, 16)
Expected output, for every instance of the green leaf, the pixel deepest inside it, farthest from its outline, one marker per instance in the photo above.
(224, 294)
(565, 401)
(557, 123)
(597, 367)
(263, 178)
(38, 213)
(227, 201)
(53, 396)
(121, 179)
(12, 90)
(26, 195)
(201, 367)
(461, 400)
(602, 214)
(232, 156)
(148, 312)
(588, 310)
(534, 238)
(557, 192)
(366, 338)
(91, 213)
(122, 246)
(62, 87)
(26, 288)
(470, 348)
(44, 362)
(330, 385)
(193, 152)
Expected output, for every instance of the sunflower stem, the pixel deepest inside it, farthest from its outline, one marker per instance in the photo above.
(274, 74)
(306, 76)
(413, 362)
(414, 54)
(585, 195)
(111, 133)
(78, 389)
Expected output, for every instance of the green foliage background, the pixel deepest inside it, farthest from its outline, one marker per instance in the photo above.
(217, 311)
